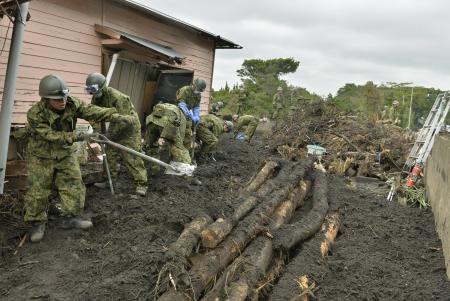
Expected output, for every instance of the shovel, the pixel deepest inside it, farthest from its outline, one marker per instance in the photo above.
(174, 168)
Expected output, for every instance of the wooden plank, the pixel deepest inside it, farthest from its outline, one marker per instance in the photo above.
(38, 73)
(107, 32)
(61, 43)
(81, 11)
(58, 65)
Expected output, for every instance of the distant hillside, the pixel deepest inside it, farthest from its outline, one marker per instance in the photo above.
(360, 98)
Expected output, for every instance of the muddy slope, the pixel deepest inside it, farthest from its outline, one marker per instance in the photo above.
(119, 259)
(385, 251)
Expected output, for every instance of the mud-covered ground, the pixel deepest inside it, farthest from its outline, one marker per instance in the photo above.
(385, 251)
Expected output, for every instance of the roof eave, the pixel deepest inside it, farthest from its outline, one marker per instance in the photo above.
(221, 43)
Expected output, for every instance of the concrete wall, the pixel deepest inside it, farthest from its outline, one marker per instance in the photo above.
(437, 179)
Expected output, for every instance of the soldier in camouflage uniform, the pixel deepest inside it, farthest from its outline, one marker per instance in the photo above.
(277, 103)
(127, 135)
(242, 96)
(167, 125)
(247, 122)
(208, 131)
(188, 100)
(51, 158)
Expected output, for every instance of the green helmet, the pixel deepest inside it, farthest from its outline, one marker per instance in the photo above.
(53, 87)
(229, 125)
(95, 82)
(200, 84)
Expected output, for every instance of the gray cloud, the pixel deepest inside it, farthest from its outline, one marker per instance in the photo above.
(336, 42)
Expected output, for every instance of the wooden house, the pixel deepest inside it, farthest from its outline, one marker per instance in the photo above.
(72, 38)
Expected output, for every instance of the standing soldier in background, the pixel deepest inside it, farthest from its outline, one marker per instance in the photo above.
(394, 112)
(166, 125)
(128, 135)
(242, 97)
(277, 103)
(188, 99)
(208, 132)
(248, 123)
(51, 156)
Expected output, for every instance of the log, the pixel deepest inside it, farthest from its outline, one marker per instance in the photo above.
(217, 231)
(244, 272)
(289, 236)
(188, 239)
(253, 269)
(333, 223)
(215, 261)
(285, 210)
(267, 171)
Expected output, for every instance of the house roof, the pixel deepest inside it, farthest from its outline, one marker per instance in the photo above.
(8, 7)
(120, 39)
(221, 43)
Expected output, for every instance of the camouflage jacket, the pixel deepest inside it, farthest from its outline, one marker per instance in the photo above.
(244, 120)
(170, 118)
(213, 123)
(112, 98)
(277, 101)
(52, 134)
(189, 96)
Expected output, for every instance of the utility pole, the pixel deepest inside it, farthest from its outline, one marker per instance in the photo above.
(10, 86)
(410, 108)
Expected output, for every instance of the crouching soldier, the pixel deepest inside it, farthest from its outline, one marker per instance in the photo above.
(51, 154)
(248, 123)
(208, 131)
(128, 135)
(166, 125)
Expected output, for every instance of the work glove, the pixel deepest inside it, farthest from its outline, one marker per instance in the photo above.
(183, 106)
(196, 115)
(240, 137)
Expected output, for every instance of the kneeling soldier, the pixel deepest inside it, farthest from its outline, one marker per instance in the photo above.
(208, 131)
(167, 125)
(248, 123)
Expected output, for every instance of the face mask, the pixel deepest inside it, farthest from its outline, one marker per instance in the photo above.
(98, 94)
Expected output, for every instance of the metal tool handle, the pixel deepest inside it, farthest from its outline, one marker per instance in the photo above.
(103, 139)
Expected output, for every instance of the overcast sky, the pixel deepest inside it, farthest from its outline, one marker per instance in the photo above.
(336, 41)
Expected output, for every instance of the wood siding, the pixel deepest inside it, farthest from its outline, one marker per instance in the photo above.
(60, 39)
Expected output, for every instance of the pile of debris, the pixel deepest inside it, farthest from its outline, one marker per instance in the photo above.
(355, 146)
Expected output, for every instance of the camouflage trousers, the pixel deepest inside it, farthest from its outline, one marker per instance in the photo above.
(208, 139)
(188, 134)
(134, 165)
(66, 175)
(176, 148)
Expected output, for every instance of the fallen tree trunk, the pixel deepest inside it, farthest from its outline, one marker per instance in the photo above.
(267, 171)
(332, 228)
(289, 236)
(285, 210)
(216, 260)
(188, 239)
(217, 231)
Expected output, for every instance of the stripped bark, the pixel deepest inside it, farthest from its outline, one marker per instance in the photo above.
(332, 225)
(217, 231)
(267, 171)
(284, 212)
(188, 239)
(216, 260)
(289, 236)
